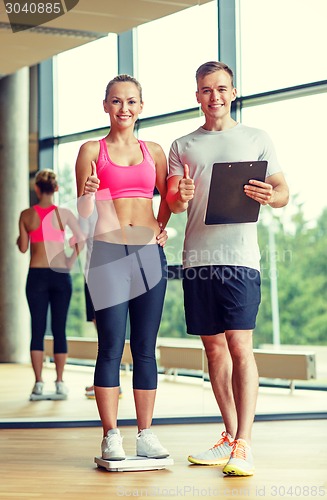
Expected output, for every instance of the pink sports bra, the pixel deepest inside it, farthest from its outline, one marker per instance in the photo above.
(117, 181)
(46, 231)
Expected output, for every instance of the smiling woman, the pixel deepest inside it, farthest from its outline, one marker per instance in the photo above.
(127, 268)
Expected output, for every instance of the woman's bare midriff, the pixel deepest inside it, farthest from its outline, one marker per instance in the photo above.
(126, 221)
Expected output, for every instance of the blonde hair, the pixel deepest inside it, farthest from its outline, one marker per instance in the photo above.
(123, 78)
(212, 66)
(46, 180)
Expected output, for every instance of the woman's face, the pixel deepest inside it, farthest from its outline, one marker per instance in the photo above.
(123, 104)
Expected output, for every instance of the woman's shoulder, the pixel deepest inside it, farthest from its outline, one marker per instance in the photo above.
(27, 213)
(90, 147)
(153, 147)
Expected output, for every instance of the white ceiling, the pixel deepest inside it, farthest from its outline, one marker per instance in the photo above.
(87, 21)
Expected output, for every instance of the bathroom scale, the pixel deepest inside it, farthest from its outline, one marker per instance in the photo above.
(133, 464)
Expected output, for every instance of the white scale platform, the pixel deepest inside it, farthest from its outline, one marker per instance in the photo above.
(51, 396)
(133, 464)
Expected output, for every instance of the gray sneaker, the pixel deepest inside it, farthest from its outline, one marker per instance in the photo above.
(148, 445)
(112, 446)
(38, 388)
(61, 389)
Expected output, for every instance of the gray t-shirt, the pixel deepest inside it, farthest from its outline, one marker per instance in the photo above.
(229, 244)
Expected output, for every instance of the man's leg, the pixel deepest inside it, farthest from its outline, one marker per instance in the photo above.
(245, 380)
(220, 373)
(245, 389)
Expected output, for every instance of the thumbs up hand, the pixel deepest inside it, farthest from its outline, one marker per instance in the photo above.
(186, 186)
(92, 182)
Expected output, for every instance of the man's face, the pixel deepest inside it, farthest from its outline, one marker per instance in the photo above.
(215, 94)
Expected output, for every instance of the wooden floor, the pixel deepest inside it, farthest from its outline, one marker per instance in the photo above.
(290, 458)
(58, 462)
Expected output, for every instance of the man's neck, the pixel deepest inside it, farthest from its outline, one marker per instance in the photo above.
(219, 125)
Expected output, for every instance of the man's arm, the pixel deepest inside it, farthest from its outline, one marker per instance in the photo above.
(180, 191)
(274, 191)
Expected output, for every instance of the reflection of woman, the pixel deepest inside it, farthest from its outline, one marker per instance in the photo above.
(127, 272)
(43, 226)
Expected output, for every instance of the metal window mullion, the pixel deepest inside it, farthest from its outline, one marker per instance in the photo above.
(46, 114)
(227, 38)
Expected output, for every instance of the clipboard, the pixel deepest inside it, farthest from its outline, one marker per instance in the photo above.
(227, 202)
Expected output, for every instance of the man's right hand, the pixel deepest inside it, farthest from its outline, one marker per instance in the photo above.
(186, 186)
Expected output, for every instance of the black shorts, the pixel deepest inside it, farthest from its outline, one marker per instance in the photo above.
(90, 314)
(220, 298)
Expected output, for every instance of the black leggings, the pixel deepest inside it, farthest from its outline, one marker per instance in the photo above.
(127, 279)
(43, 287)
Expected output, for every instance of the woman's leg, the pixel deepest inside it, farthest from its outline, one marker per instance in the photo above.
(38, 301)
(109, 283)
(111, 328)
(145, 316)
(60, 295)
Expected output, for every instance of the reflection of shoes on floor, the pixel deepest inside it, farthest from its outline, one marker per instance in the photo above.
(61, 389)
(241, 460)
(112, 446)
(217, 455)
(148, 445)
(38, 388)
(89, 392)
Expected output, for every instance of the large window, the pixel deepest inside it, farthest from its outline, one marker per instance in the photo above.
(281, 43)
(169, 50)
(297, 127)
(81, 80)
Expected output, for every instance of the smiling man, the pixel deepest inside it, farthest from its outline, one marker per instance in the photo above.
(221, 262)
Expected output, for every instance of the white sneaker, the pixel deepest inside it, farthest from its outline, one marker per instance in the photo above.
(61, 388)
(219, 454)
(148, 445)
(89, 392)
(38, 388)
(112, 446)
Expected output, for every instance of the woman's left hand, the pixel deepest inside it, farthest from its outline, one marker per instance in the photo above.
(162, 236)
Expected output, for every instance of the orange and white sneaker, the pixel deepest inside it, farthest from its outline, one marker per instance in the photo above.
(241, 460)
(217, 455)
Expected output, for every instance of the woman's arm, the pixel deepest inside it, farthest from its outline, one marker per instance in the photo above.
(87, 182)
(77, 241)
(164, 211)
(23, 238)
(160, 160)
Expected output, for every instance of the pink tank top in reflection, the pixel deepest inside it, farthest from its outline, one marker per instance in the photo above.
(46, 231)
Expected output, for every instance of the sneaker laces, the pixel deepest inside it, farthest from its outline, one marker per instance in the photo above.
(222, 440)
(151, 439)
(114, 439)
(238, 450)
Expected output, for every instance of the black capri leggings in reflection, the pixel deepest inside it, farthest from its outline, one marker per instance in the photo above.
(43, 287)
(145, 310)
